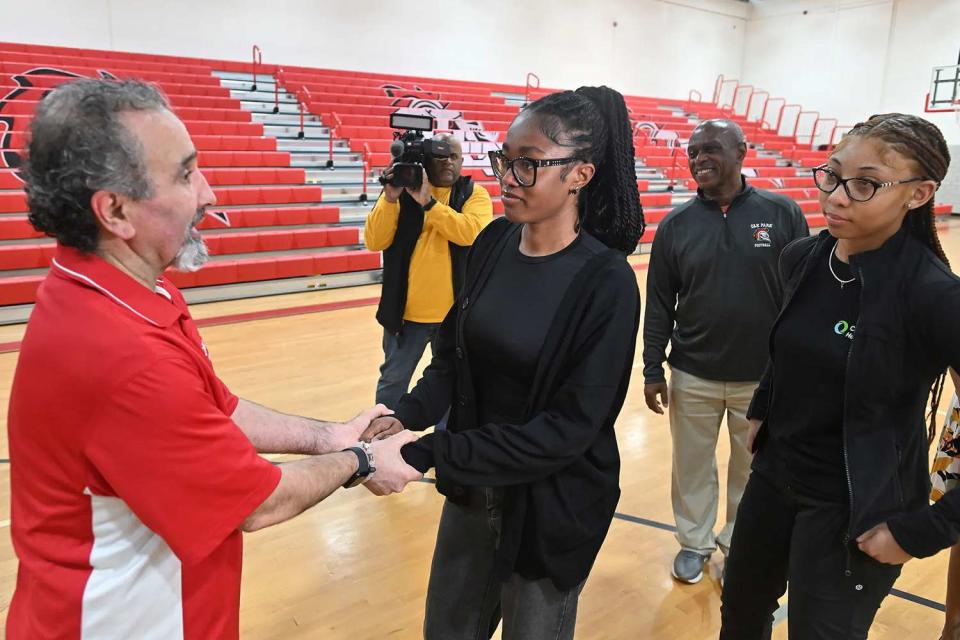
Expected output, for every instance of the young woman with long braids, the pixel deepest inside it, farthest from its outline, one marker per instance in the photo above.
(838, 498)
(535, 359)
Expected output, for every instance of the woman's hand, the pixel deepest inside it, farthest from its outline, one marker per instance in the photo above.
(381, 428)
(879, 544)
(752, 434)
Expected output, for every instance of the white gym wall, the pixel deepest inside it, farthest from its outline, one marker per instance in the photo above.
(845, 58)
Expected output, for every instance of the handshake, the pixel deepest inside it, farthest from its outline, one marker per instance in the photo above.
(386, 436)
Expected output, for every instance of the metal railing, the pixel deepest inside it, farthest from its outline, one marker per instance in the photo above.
(766, 99)
(279, 77)
(796, 124)
(530, 76)
(769, 103)
(257, 61)
(736, 94)
(816, 125)
(303, 100)
(676, 155)
(333, 130)
(763, 116)
(366, 171)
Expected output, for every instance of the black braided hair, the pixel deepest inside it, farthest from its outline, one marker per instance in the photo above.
(921, 142)
(594, 121)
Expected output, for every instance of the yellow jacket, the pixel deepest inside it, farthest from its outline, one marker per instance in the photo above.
(430, 279)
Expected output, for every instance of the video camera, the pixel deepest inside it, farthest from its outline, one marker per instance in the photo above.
(411, 151)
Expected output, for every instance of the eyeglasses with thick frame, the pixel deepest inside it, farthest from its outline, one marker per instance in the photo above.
(861, 186)
(500, 165)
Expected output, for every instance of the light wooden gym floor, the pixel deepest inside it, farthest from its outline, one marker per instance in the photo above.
(355, 567)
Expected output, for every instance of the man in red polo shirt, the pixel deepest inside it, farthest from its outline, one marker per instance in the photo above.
(134, 469)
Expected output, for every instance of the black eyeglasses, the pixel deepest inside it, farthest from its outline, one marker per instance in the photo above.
(858, 189)
(524, 169)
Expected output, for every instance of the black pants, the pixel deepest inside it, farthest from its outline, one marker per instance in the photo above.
(781, 537)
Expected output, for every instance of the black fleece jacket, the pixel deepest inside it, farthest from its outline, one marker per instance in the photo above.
(560, 468)
(713, 289)
(906, 335)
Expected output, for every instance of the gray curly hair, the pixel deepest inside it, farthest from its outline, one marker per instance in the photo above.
(78, 146)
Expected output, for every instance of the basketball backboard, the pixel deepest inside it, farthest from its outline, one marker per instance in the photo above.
(944, 89)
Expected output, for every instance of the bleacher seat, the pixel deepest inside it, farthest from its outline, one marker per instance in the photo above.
(280, 225)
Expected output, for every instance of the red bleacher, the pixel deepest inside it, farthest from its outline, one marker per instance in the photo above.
(282, 213)
(280, 226)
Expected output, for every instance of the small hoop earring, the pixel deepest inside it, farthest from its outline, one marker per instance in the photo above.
(575, 191)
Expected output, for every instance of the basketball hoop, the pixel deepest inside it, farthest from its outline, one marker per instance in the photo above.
(944, 92)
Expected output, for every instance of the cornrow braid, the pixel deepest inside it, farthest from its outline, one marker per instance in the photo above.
(921, 142)
(594, 122)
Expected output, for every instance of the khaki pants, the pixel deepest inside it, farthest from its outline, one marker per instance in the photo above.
(696, 410)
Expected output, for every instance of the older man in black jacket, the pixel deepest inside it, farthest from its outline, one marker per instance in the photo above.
(712, 292)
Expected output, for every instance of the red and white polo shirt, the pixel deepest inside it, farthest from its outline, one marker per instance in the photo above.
(129, 479)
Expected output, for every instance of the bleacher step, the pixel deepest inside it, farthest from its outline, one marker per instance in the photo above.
(266, 97)
(338, 177)
(308, 145)
(318, 160)
(312, 130)
(288, 108)
(341, 161)
(286, 252)
(267, 118)
(247, 85)
(244, 77)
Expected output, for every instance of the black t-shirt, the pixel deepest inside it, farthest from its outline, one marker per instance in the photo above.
(805, 421)
(504, 333)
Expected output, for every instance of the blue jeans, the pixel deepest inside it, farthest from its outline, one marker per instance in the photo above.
(401, 354)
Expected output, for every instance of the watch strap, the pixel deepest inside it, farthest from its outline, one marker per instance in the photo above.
(364, 467)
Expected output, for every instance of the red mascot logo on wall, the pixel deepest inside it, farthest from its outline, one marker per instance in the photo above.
(17, 107)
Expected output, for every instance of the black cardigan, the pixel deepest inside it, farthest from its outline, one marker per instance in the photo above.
(560, 470)
(907, 333)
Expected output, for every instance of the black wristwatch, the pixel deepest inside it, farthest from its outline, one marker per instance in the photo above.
(430, 204)
(365, 468)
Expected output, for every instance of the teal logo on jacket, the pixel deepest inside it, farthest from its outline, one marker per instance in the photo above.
(845, 329)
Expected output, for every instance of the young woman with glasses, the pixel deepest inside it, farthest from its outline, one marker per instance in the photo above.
(837, 501)
(535, 359)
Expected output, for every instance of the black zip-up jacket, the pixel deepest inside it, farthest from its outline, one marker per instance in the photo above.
(713, 289)
(560, 469)
(907, 334)
(396, 257)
